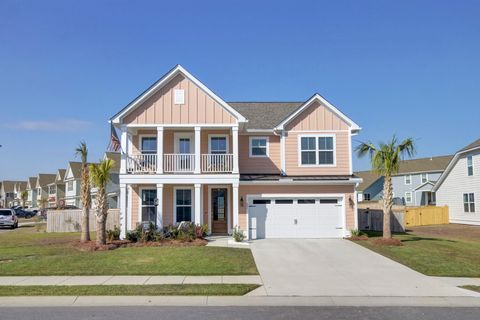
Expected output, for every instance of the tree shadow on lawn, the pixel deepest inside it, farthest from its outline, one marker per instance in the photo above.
(411, 237)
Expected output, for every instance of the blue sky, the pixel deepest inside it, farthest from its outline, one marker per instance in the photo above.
(409, 68)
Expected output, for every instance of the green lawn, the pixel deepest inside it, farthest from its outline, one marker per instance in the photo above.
(131, 290)
(473, 288)
(28, 252)
(433, 256)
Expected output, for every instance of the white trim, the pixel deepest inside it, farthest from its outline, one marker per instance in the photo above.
(472, 165)
(140, 190)
(219, 186)
(351, 181)
(192, 195)
(323, 101)
(217, 135)
(129, 193)
(183, 135)
(182, 125)
(350, 160)
(159, 207)
(123, 211)
(197, 204)
(160, 138)
(474, 202)
(426, 177)
(145, 135)
(405, 179)
(267, 146)
(316, 136)
(282, 154)
(406, 197)
(162, 82)
(424, 184)
(179, 178)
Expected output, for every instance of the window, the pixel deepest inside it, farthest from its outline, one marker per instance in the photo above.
(52, 189)
(149, 211)
(366, 197)
(218, 145)
(408, 179)
(424, 177)
(183, 205)
(408, 197)
(317, 150)
(149, 145)
(306, 201)
(70, 186)
(258, 147)
(282, 201)
(470, 165)
(468, 202)
(328, 201)
(261, 201)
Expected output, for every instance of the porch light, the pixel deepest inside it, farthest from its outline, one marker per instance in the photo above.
(241, 201)
(155, 202)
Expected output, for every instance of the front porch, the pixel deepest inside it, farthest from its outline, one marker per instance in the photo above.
(215, 205)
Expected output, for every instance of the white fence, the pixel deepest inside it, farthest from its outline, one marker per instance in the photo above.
(70, 220)
(142, 163)
(179, 162)
(217, 163)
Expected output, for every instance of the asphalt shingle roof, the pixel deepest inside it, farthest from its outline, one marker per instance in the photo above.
(265, 115)
(472, 145)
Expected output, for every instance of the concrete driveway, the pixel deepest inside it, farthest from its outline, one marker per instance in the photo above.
(334, 267)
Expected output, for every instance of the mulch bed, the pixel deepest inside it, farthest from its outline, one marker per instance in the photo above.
(92, 245)
(358, 238)
(387, 242)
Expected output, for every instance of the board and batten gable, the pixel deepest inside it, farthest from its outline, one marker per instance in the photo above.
(198, 106)
(318, 119)
(455, 184)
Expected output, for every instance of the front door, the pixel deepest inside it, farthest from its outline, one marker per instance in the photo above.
(219, 210)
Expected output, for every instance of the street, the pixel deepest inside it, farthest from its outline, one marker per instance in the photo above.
(197, 313)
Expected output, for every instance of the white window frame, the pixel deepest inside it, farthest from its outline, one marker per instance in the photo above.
(426, 177)
(70, 185)
(469, 202)
(50, 188)
(250, 146)
(140, 204)
(316, 136)
(410, 180)
(140, 137)
(210, 136)
(470, 166)
(192, 204)
(183, 135)
(408, 194)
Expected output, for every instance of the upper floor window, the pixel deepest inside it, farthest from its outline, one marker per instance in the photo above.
(258, 147)
(149, 145)
(70, 186)
(468, 202)
(366, 197)
(470, 165)
(218, 145)
(408, 179)
(52, 189)
(317, 150)
(424, 177)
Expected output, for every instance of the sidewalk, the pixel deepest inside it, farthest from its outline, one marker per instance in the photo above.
(126, 280)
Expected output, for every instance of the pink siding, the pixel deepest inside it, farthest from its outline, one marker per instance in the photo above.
(342, 156)
(317, 117)
(271, 164)
(199, 108)
(347, 190)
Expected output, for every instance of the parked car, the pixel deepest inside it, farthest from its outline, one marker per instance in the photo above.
(20, 213)
(8, 218)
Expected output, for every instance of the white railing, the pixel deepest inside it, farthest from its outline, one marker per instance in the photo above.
(176, 162)
(142, 163)
(216, 163)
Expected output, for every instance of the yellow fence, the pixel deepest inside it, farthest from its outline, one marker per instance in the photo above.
(423, 216)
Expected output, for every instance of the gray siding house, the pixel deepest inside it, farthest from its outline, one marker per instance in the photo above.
(412, 186)
(459, 186)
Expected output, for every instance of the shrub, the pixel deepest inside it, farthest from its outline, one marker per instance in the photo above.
(113, 234)
(357, 233)
(132, 236)
(238, 235)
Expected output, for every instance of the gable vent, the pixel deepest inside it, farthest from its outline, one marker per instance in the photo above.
(179, 96)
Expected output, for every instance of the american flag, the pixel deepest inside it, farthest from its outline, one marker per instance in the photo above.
(114, 144)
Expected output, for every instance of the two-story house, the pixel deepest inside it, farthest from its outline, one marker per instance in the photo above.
(412, 185)
(18, 189)
(43, 180)
(32, 192)
(275, 170)
(56, 189)
(7, 193)
(72, 182)
(459, 186)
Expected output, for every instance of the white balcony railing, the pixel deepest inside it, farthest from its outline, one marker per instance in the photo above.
(179, 162)
(142, 163)
(217, 163)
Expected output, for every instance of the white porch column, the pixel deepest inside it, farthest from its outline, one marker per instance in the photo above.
(198, 208)
(123, 210)
(235, 204)
(123, 149)
(160, 205)
(197, 150)
(235, 148)
(159, 150)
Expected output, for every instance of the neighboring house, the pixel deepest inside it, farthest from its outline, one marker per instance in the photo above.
(72, 181)
(19, 187)
(56, 190)
(275, 170)
(459, 186)
(7, 193)
(412, 185)
(113, 186)
(43, 180)
(32, 192)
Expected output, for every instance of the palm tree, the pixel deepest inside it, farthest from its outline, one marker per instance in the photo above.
(24, 197)
(85, 197)
(385, 159)
(43, 202)
(100, 175)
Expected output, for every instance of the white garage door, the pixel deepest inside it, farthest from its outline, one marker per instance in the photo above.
(296, 218)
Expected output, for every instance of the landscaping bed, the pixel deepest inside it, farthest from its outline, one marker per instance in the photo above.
(131, 290)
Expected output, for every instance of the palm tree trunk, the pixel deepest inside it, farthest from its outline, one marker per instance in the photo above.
(387, 206)
(102, 212)
(101, 233)
(85, 236)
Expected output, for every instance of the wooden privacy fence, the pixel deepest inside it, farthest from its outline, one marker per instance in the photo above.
(373, 220)
(70, 220)
(423, 216)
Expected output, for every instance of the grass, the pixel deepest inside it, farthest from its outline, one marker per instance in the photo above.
(131, 290)
(432, 256)
(28, 252)
(473, 288)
